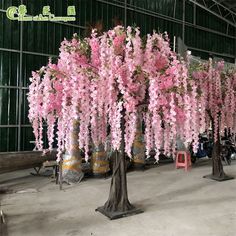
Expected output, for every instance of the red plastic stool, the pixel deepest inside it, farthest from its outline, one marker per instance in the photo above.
(183, 159)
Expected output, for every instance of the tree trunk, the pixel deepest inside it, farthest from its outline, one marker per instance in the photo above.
(118, 205)
(118, 197)
(217, 167)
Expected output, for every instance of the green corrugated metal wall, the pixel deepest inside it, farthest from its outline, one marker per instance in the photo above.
(26, 47)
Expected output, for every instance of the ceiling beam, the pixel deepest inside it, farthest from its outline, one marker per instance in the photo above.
(218, 13)
(231, 6)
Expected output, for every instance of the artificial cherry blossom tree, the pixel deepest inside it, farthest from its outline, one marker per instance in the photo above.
(104, 82)
(217, 91)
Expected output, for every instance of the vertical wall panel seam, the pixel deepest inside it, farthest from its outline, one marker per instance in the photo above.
(20, 86)
(125, 8)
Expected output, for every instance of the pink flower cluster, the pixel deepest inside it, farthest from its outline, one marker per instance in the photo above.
(45, 98)
(217, 96)
(102, 79)
(172, 107)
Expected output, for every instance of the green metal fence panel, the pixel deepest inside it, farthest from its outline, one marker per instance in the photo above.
(8, 139)
(46, 37)
(210, 42)
(8, 106)
(27, 134)
(24, 109)
(10, 33)
(31, 63)
(106, 13)
(9, 68)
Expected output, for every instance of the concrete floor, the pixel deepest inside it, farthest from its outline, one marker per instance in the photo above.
(175, 204)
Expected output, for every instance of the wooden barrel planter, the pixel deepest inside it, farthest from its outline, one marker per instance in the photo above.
(72, 169)
(139, 147)
(100, 161)
(72, 163)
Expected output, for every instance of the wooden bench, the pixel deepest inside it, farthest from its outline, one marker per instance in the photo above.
(12, 161)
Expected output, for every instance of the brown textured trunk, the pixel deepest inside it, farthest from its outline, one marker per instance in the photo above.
(217, 166)
(118, 196)
(118, 204)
